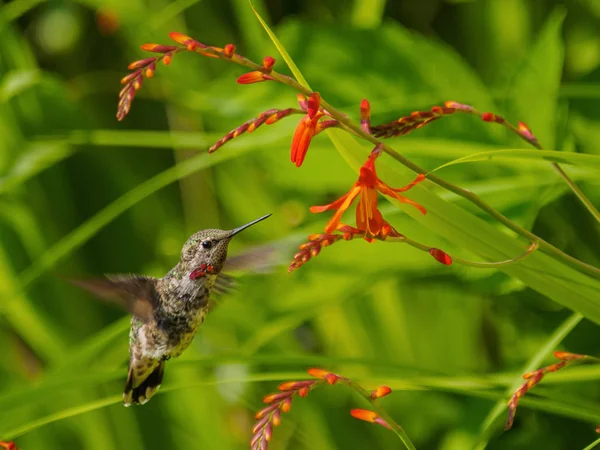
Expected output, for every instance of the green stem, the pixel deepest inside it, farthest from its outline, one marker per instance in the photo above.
(580, 195)
(349, 125)
(481, 265)
(593, 445)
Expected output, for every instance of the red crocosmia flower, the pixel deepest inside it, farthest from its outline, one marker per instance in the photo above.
(306, 129)
(368, 216)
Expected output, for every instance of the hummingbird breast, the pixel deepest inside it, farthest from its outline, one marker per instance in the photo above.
(182, 308)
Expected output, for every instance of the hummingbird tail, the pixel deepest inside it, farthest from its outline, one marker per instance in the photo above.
(139, 388)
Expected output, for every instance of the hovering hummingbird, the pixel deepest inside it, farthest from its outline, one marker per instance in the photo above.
(167, 311)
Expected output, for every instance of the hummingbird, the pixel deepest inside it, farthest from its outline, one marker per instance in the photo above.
(166, 312)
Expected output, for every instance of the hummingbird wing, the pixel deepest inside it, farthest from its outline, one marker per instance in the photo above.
(260, 259)
(137, 294)
(224, 284)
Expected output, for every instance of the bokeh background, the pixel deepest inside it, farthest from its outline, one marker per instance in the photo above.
(82, 194)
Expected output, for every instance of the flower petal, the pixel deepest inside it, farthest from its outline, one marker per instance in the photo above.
(335, 220)
(417, 180)
(297, 138)
(313, 105)
(333, 205)
(385, 189)
(368, 217)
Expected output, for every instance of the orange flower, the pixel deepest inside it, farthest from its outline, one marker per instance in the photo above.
(368, 217)
(306, 129)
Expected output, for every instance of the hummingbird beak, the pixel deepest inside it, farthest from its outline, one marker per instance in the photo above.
(243, 227)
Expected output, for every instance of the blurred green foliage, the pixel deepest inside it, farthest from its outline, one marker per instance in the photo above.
(81, 194)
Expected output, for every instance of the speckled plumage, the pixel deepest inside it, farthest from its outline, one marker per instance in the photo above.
(166, 311)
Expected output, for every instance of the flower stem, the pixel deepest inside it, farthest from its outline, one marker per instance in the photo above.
(481, 265)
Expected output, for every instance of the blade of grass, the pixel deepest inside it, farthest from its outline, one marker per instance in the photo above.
(250, 29)
(282, 51)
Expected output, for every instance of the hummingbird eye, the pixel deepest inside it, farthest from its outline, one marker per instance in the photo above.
(206, 244)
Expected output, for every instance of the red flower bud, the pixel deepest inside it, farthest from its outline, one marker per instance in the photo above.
(380, 392)
(252, 77)
(228, 50)
(440, 256)
(157, 48)
(268, 63)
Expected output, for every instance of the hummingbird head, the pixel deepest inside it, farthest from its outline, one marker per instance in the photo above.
(205, 252)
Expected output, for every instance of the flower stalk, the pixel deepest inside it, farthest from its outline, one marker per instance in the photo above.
(281, 402)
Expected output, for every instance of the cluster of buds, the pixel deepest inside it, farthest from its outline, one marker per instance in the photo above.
(10, 445)
(145, 68)
(317, 241)
(308, 127)
(268, 117)
(533, 378)
(279, 402)
(418, 119)
(415, 120)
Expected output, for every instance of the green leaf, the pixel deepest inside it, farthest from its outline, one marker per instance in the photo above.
(517, 155)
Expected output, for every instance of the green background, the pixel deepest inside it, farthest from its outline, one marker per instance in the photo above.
(82, 194)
